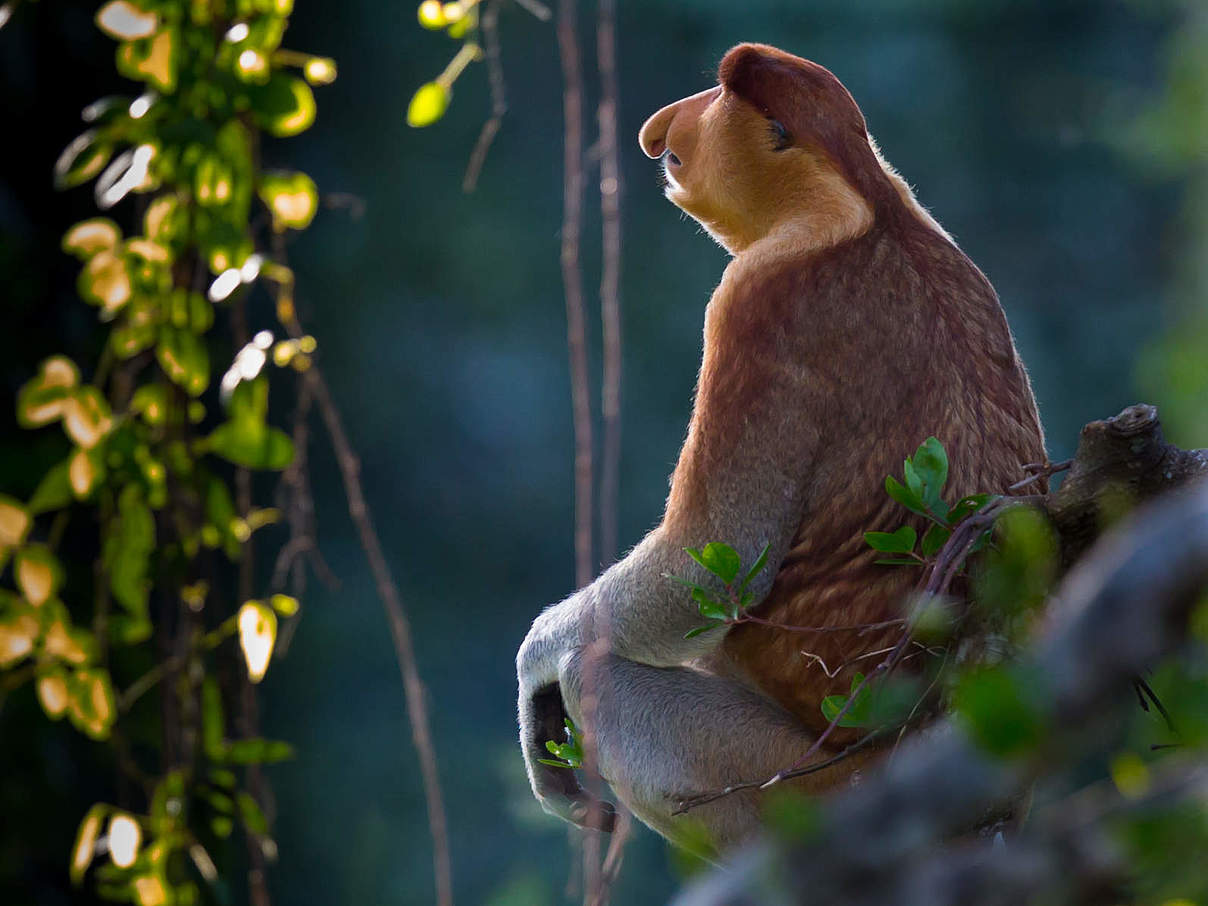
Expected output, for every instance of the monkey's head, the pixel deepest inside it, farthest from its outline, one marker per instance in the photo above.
(779, 142)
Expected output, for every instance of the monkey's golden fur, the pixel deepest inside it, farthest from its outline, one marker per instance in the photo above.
(901, 334)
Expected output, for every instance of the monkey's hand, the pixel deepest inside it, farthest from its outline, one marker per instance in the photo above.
(542, 717)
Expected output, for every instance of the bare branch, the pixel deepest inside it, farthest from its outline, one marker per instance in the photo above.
(610, 278)
(499, 103)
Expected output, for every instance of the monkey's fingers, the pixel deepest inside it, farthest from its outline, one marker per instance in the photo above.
(558, 789)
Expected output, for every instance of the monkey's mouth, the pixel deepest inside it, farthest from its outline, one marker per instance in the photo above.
(670, 159)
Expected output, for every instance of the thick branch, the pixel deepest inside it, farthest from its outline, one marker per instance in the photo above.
(1119, 610)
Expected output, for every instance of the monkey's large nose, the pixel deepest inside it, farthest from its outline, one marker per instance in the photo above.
(653, 134)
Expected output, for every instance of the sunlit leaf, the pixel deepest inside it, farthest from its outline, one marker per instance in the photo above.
(38, 573)
(91, 705)
(14, 522)
(52, 692)
(257, 635)
(105, 281)
(431, 15)
(86, 417)
(292, 197)
(125, 837)
(18, 633)
(428, 104)
(125, 21)
(252, 66)
(85, 842)
(82, 159)
(88, 237)
(284, 105)
(152, 60)
(285, 605)
(150, 890)
(84, 470)
(71, 645)
(161, 222)
(42, 399)
(183, 356)
(320, 70)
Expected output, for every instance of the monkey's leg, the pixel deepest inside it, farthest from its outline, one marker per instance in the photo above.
(664, 734)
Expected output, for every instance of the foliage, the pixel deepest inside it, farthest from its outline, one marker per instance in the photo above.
(152, 440)
(725, 564)
(567, 754)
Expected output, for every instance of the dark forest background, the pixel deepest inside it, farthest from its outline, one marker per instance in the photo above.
(1039, 133)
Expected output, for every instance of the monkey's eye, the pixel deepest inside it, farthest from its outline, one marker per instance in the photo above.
(780, 136)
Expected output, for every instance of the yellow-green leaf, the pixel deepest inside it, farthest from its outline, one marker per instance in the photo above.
(257, 635)
(292, 197)
(88, 237)
(86, 417)
(105, 281)
(428, 104)
(14, 522)
(85, 843)
(38, 573)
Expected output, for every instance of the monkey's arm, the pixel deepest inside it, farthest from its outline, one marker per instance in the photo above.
(742, 479)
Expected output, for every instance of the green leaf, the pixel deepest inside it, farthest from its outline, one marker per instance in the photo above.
(284, 105)
(249, 811)
(252, 446)
(900, 542)
(710, 608)
(428, 104)
(904, 496)
(213, 724)
(82, 159)
(934, 540)
(931, 465)
(693, 633)
(183, 356)
(1000, 708)
(257, 751)
(720, 559)
(858, 715)
(897, 561)
(760, 562)
(53, 491)
(128, 548)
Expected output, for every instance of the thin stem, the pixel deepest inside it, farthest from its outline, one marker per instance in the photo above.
(576, 331)
(610, 278)
(400, 629)
(499, 101)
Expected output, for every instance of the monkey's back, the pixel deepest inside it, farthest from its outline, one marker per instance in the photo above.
(913, 340)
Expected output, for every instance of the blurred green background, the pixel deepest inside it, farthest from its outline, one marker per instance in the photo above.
(1060, 141)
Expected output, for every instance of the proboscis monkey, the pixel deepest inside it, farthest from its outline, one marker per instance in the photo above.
(847, 328)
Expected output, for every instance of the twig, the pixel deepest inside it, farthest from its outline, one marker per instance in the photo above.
(400, 629)
(576, 332)
(610, 278)
(499, 104)
(535, 8)
(1040, 470)
(692, 802)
